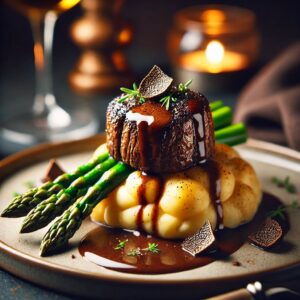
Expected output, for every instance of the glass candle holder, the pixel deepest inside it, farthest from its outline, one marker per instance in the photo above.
(210, 42)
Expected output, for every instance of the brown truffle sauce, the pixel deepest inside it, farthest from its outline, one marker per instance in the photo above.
(98, 246)
(143, 202)
(151, 118)
(197, 109)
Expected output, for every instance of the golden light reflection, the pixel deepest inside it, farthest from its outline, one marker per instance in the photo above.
(213, 20)
(38, 56)
(67, 4)
(213, 16)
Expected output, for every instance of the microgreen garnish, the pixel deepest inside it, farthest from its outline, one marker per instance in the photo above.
(29, 184)
(166, 101)
(134, 252)
(131, 94)
(152, 247)
(279, 211)
(182, 87)
(285, 183)
(121, 245)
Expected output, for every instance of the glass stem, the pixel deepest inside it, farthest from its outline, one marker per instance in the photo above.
(43, 29)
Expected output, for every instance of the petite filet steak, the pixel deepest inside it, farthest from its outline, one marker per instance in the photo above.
(153, 139)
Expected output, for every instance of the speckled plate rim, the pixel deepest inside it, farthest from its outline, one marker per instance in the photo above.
(24, 158)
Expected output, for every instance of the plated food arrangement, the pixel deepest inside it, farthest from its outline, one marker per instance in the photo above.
(168, 191)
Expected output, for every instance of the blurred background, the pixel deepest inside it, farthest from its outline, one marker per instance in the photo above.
(277, 23)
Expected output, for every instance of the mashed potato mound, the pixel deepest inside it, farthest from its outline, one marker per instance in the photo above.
(185, 202)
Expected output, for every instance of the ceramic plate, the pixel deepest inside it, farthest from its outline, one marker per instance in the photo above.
(69, 272)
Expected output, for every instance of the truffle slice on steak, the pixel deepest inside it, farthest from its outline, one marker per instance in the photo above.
(155, 140)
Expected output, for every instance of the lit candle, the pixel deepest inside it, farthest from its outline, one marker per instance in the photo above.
(214, 59)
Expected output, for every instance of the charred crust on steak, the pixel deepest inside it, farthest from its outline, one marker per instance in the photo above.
(171, 147)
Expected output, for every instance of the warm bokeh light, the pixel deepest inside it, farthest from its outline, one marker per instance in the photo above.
(67, 4)
(214, 59)
(125, 36)
(214, 52)
(213, 16)
(38, 56)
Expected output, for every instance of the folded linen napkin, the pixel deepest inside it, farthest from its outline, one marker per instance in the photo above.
(270, 103)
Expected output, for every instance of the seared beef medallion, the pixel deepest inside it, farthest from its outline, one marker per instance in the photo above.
(153, 139)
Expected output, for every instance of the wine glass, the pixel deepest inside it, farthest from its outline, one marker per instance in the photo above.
(46, 121)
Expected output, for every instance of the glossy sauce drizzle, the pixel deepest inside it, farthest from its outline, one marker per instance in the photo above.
(99, 246)
(143, 201)
(151, 118)
(212, 170)
(197, 109)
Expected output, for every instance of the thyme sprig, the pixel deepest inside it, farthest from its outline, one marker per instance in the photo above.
(152, 247)
(166, 101)
(279, 211)
(121, 245)
(131, 94)
(181, 87)
(27, 184)
(285, 183)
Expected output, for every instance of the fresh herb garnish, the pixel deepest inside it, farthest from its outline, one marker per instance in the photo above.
(279, 211)
(134, 252)
(285, 183)
(166, 101)
(121, 245)
(29, 184)
(152, 247)
(183, 87)
(131, 94)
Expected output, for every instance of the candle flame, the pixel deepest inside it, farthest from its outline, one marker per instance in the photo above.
(214, 52)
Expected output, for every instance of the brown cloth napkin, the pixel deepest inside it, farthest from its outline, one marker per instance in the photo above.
(270, 103)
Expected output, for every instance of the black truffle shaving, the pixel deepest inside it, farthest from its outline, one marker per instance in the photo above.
(268, 235)
(155, 83)
(203, 241)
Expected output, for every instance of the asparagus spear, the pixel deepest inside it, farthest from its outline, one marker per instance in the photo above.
(222, 117)
(66, 226)
(49, 209)
(231, 135)
(22, 204)
(215, 105)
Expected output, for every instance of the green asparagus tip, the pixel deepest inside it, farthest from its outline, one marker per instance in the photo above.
(25, 229)
(11, 211)
(47, 249)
